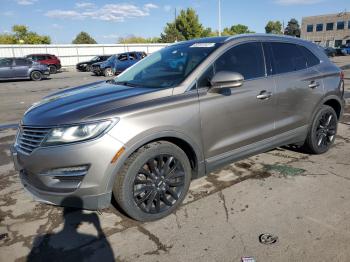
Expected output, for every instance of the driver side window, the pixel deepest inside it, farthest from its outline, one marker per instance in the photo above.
(246, 59)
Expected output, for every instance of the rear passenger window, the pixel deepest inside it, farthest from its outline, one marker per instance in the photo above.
(287, 57)
(311, 59)
(22, 62)
(246, 59)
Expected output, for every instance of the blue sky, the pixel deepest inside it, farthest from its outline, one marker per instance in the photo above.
(106, 20)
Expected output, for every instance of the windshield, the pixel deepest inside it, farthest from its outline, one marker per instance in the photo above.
(167, 67)
(111, 59)
(96, 58)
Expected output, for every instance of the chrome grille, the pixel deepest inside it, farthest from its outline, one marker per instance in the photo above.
(30, 138)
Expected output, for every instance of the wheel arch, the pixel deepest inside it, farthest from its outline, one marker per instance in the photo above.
(335, 104)
(190, 148)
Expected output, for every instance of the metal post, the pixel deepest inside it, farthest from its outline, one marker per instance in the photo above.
(219, 17)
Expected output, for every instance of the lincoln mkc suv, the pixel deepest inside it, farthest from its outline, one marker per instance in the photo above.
(176, 115)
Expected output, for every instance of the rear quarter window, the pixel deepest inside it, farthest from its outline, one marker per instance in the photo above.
(287, 57)
(311, 59)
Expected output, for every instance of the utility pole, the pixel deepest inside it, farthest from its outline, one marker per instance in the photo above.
(175, 25)
(219, 17)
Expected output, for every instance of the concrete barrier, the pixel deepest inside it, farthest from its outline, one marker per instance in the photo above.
(72, 54)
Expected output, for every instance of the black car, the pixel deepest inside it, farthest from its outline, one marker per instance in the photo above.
(86, 66)
(330, 51)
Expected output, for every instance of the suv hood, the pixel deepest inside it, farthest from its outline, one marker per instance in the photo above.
(84, 103)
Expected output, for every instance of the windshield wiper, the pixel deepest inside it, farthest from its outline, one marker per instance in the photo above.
(123, 83)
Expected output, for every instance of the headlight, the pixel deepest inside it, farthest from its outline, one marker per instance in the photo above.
(76, 133)
(83, 65)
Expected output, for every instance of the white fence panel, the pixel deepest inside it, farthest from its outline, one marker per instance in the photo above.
(72, 54)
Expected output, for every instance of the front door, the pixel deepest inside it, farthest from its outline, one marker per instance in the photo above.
(233, 118)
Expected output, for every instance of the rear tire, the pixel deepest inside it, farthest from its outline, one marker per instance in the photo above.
(322, 132)
(36, 75)
(53, 69)
(153, 181)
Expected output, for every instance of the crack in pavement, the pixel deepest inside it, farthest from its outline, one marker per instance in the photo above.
(155, 240)
(222, 197)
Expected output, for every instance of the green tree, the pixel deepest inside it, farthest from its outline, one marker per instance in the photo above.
(236, 29)
(137, 39)
(273, 27)
(83, 38)
(21, 35)
(185, 27)
(292, 28)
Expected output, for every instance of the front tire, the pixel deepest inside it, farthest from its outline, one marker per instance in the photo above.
(36, 75)
(88, 68)
(322, 132)
(108, 72)
(153, 181)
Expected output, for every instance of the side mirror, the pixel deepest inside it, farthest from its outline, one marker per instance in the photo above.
(227, 79)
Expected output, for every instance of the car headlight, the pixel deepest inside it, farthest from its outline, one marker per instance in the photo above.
(76, 133)
(83, 65)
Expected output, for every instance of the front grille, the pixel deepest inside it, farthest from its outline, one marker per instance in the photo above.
(30, 138)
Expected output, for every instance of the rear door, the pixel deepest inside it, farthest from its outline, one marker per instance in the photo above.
(298, 88)
(233, 118)
(21, 67)
(6, 68)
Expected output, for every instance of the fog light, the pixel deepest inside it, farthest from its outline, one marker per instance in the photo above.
(68, 173)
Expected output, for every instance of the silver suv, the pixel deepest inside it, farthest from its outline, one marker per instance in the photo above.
(174, 116)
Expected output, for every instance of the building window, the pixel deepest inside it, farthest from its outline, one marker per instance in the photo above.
(310, 28)
(338, 43)
(349, 24)
(329, 26)
(319, 27)
(340, 25)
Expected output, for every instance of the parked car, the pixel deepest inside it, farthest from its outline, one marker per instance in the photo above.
(22, 68)
(86, 66)
(145, 134)
(330, 51)
(52, 61)
(117, 63)
(345, 50)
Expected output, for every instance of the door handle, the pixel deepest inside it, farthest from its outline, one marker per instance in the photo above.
(264, 95)
(314, 84)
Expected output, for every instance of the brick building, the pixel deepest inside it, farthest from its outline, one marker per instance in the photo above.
(327, 30)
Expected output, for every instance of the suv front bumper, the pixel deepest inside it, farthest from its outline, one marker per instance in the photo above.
(41, 176)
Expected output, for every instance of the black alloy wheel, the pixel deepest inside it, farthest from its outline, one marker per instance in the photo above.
(322, 132)
(159, 184)
(326, 130)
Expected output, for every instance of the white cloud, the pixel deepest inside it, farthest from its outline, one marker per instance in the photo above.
(8, 13)
(167, 8)
(150, 6)
(26, 2)
(57, 26)
(71, 14)
(85, 5)
(297, 2)
(108, 12)
(113, 36)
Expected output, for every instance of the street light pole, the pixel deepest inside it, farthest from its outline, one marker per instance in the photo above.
(219, 17)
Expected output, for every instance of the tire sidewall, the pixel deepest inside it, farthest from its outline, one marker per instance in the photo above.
(314, 126)
(52, 69)
(34, 78)
(106, 72)
(128, 203)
